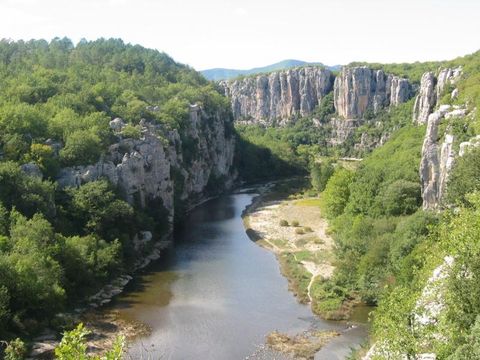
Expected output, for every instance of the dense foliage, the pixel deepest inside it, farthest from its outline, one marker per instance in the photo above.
(56, 100)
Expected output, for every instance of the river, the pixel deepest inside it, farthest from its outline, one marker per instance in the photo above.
(216, 294)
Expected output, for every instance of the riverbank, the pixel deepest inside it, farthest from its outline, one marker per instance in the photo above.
(290, 224)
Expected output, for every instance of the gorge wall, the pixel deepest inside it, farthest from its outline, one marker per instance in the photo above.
(165, 164)
(282, 96)
(438, 152)
(278, 97)
(360, 89)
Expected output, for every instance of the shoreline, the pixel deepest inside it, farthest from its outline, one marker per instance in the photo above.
(262, 224)
(104, 324)
(301, 252)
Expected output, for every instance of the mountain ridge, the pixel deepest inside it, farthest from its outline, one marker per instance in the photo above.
(217, 74)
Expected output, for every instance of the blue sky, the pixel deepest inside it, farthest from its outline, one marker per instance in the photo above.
(249, 33)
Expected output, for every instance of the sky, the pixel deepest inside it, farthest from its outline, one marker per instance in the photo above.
(242, 34)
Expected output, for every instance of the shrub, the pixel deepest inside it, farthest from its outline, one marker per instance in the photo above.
(308, 229)
(82, 147)
(73, 346)
(131, 131)
(283, 222)
(299, 231)
(295, 223)
(15, 350)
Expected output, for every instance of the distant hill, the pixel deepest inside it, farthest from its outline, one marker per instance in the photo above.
(225, 74)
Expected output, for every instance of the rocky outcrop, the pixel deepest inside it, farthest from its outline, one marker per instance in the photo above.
(437, 158)
(342, 130)
(426, 99)
(431, 90)
(359, 89)
(162, 160)
(278, 97)
(470, 144)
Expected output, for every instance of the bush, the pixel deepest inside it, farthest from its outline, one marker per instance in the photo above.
(295, 223)
(82, 147)
(308, 229)
(283, 222)
(464, 178)
(73, 347)
(401, 197)
(299, 231)
(15, 350)
(130, 131)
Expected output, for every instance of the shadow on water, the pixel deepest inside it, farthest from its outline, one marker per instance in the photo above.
(214, 294)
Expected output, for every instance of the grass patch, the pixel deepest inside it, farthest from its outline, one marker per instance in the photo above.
(304, 255)
(281, 243)
(308, 202)
(298, 277)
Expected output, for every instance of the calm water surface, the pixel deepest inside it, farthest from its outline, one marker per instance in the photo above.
(216, 294)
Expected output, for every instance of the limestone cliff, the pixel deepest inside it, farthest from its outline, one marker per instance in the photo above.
(431, 89)
(437, 155)
(278, 97)
(359, 89)
(162, 161)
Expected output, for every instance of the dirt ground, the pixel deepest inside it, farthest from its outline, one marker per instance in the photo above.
(308, 240)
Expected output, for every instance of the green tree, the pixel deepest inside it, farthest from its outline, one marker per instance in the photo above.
(81, 147)
(337, 192)
(320, 174)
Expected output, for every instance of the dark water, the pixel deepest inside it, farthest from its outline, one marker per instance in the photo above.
(216, 294)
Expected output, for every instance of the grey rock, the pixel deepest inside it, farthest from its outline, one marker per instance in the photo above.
(468, 145)
(32, 169)
(142, 168)
(454, 94)
(342, 130)
(359, 89)
(431, 90)
(426, 99)
(446, 77)
(437, 159)
(117, 124)
(42, 349)
(279, 97)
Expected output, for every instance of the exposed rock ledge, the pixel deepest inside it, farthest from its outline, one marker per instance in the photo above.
(278, 97)
(359, 89)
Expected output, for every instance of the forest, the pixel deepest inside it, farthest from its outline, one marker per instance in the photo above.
(60, 245)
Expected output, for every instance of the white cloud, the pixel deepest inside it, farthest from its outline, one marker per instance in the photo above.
(241, 11)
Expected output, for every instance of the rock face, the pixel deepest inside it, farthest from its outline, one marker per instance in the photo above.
(431, 89)
(278, 97)
(437, 158)
(426, 99)
(359, 89)
(160, 161)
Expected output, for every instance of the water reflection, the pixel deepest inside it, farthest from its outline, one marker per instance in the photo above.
(216, 294)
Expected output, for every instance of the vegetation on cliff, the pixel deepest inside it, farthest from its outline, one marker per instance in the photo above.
(58, 246)
(388, 247)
